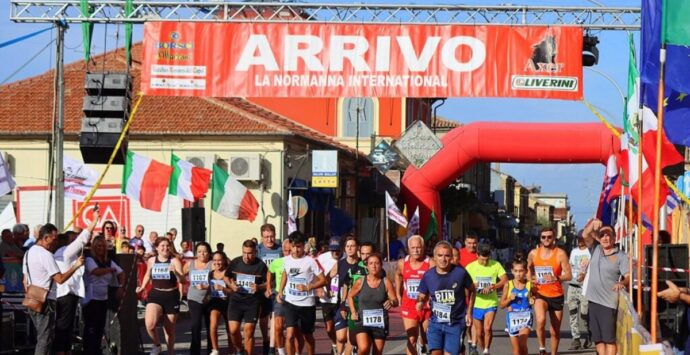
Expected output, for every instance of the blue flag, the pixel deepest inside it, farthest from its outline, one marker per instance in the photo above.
(677, 105)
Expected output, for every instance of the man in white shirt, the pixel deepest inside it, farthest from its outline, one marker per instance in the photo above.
(41, 270)
(302, 276)
(577, 303)
(70, 292)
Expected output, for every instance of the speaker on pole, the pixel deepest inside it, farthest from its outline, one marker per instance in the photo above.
(194, 224)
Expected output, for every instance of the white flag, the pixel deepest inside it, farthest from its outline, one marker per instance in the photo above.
(7, 218)
(413, 226)
(394, 212)
(79, 178)
(292, 224)
(6, 181)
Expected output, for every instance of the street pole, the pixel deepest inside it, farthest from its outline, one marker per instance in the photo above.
(60, 129)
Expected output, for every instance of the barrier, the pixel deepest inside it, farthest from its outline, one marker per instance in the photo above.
(632, 338)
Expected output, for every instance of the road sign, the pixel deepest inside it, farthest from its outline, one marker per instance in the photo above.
(324, 168)
(418, 144)
(383, 157)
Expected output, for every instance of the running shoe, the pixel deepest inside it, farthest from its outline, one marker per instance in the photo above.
(334, 349)
(575, 345)
(587, 344)
(214, 352)
(155, 350)
(542, 352)
(473, 350)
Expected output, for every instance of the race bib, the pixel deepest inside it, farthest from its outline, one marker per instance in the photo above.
(292, 286)
(518, 320)
(268, 259)
(442, 312)
(334, 286)
(412, 287)
(198, 277)
(160, 271)
(542, 272)
(483, 282)
(373, 318)
(217, 293)
(245, 282)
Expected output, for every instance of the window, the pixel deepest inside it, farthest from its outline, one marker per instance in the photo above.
(358, 115)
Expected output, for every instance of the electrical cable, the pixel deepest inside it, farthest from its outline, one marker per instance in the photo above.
(7, 79)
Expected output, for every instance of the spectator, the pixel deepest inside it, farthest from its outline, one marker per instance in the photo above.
(32, 237)
(70, 292)
(675, 294)
(138, 239)
(220, 247)
(125, 248)
(608, 274)
(577, 303)
(100, 271)
(8, 247)
(187, 249)
(110, 233)
(41, 270)
(20, 232)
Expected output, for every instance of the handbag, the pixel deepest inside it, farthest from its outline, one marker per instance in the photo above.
(35, 297)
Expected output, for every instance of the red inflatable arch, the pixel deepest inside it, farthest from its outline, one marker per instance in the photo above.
(566, 143)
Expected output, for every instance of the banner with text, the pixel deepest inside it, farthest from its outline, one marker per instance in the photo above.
(355, 60)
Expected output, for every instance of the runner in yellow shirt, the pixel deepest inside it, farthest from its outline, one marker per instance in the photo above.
(488, 276)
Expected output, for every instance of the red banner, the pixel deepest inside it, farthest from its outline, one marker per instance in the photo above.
(353, 60)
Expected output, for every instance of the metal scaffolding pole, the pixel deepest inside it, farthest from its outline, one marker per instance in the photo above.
(60, 128)
(110, 11)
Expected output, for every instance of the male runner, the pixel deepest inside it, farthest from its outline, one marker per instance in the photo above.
(301, 276)
(548, 266)
(347, 270)
(408, 275)
(328, 297)
(485, 272)
(246, 277)
(269, 250)
(447, 286)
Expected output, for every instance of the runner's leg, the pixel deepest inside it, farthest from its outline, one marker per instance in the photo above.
(555, 329)
(379, 344)
(213, 329)
(169, 321)
(488, 334)
(478, 335)
(235, 334)
(412, 330)
(151, 316)
(249, 337)
(363, 343)
(540, 310)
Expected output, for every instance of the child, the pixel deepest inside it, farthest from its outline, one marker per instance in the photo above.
(517, 298)
(125, 248)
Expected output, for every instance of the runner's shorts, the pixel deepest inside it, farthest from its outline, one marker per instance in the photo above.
(480, 313)
(553, 303)
(247, 312)
(329, 310)
(374, 333)
(445, 336)
(338, 321)
(602, 323)
(413, 313)
(219, 304)
(529, 325)
(168, 300)
(303, 318)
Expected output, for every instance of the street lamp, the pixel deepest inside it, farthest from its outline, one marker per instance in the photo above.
(607, 77)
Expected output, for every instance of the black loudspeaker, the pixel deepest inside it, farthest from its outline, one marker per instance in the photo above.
(194, 224)
(671, 317)
(96, 147)
(122, 327)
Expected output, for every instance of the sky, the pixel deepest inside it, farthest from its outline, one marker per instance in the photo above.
(582, 183)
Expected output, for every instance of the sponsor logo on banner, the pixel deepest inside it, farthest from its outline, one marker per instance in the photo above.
(114, 208)
(356, 60)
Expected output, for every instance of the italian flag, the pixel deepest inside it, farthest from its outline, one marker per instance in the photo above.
(145, 180)
(230, 198)
(188, 181)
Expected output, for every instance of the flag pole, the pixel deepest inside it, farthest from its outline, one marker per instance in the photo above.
(657, 192)
(640, 256)
(631, 240)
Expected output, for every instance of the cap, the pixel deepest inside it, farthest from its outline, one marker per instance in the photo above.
(334, 244)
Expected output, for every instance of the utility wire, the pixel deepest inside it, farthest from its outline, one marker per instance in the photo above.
(26, 63)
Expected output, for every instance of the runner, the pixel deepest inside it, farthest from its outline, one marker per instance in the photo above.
(485, 272)
(447, 286)
(408, 275)
(268, 251)
(348, 270)
(246, 278)
(577, 302)
(218, 302)
(377, 297)
(273, 277)
(468, 254)
(329, 295)
(197, 272)
(548, 267)
(301, 275)
(517, 300)
(165, 273)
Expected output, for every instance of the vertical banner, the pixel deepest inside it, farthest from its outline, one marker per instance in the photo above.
(357, 60)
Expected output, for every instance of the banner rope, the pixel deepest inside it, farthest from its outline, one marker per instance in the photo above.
(602, 119)
(110, 161)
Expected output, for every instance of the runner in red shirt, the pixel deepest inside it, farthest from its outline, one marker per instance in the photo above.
(407, 278)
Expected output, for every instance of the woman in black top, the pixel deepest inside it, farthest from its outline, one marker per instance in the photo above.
(165, 273)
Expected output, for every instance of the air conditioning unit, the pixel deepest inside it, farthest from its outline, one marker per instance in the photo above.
(246, 166)
(200, 162)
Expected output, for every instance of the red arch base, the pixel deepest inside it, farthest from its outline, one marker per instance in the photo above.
(547, 143)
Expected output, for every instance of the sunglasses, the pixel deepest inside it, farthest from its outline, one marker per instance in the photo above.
(546, 237)
(110, 228)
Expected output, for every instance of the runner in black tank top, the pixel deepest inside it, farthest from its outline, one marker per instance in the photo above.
(376, 296)
(165, 272)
